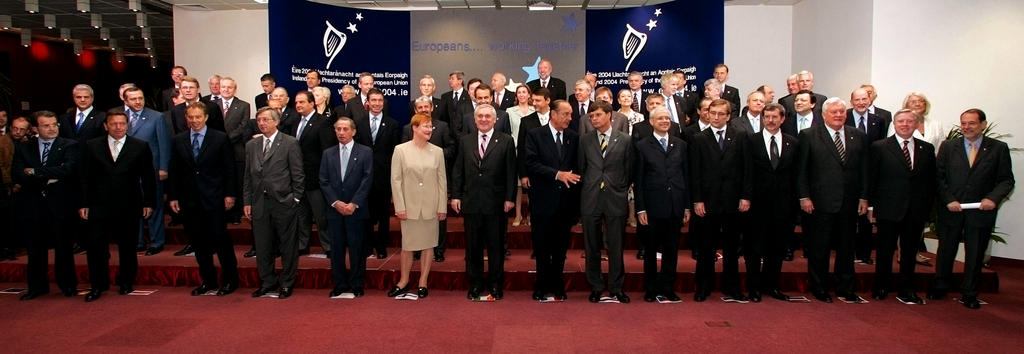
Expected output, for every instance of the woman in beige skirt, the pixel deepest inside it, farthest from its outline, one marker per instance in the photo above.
(419, 188)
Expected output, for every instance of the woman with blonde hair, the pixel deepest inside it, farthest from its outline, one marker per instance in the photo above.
(516, 113)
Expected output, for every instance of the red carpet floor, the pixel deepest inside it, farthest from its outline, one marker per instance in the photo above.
(172, 321)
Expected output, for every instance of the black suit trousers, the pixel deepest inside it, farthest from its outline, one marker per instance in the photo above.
(124, 232)
(865, 238)
(551, 235)
(380, 216)
(43, 230)
(715, 228)
(442, 237)
(347, 234)
(482, 232)
(975, 236)
(908, 233)
(207, 232)
(824, 230)
(764, 247)
(663, 236)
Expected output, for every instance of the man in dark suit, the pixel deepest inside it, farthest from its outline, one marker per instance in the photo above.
(773, 206)
(45, 167)
(84, 122)
(580, 102)
(881, 113)
(727, 92)
(541, 100)
(875, 128)
(503, 98)
(267, 83)
(482, 95)
(606, 166)
(832, 188)
(178, 72)
(751, 121)
(238, 126)
(550, 154)
(803, 114)
(688, 99)
(971, 169)
(272, 190)
(149, 126)
(484, 189)
(675, 105)
(214, 97)
(116, 187)
(427, 88)
(635, 81)
(662, 202)
(190, 91)
(805, 81)
(451, 100)
(645, 128)
(555, 85)
(381, 133)
(721, 181)
(902, 189)
(202, 189)
(289, 117)
(443, 138)
(346, 188)
(358, 106)
(314, 136)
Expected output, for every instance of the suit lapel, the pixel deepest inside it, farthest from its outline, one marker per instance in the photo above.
(352, 158)
(986, 145)
(830, 141)
(896, 148)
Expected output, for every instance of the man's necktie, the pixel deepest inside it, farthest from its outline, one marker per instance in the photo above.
(224, 110)
(583, 109)
(672, 109)
(497, 98)
(483, 145)
(558, 141)
(373, 130)
(266, 146)
(135, 119)
(721, 140)
(972, 152)
(773, 152)
(544, 83)
(636, 102)
(46, 152)
(803, 123)
(344, 161)
(117, 149)
(455, 96)
(840, 147)
(906, 154)
(302, 125)
(78, 123)
(664, 144)
(861, 126)
(195, 145)
(604, 145)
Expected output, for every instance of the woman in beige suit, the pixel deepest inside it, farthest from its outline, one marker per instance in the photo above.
(419, 188)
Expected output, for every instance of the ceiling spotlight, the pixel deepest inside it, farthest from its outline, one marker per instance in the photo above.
(119, 53)
(135, 5)
(96, 20)
(26, 37)
(82, 5)
(32, 6)
(77, 44)
(146, 33)
(104, 33)
(112, 43)
(65, 34)
(140, 20)
(545, 5)
(50, 21)
(5, 22)
(152, 61)
(149, 43)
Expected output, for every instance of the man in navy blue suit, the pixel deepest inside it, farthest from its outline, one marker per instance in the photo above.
(875, 127)
(149, 125)
(346, 174)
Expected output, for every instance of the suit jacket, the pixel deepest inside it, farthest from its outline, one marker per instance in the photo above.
(261, 100)
(419, 184)
(660, 183)
(166, 101)
(542, 162)
(60, 165)
(389, 134)
(204, 181)
(354, 107)
(828, 181)
(688, 132)
(116, 188)
(91, 128)
(742, 124)
(526, 124)
(732, 95)
(898, 192)
(787, 102)
(214, 119)
(789, 125)
(508, 99)
(884, 114)
(578, 117)
(501, 123)
(289, 119)
(152, 129)
(355, 187)
(277, 174)
(316, 137)
(774, 189)
(614, 169)
(688, 105)
(644, 129)
(876, 126)
(990, 177)
(619, 122)
(555, 85)
(720, 177)
(449, 108)
(236, 124)
(485, 184)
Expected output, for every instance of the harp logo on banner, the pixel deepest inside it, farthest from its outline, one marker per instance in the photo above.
(633, 41)
(334, 40)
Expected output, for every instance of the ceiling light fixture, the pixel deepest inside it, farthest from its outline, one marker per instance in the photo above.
(146, 33)
(546, 5)
(96, 20)
(104, 33)
(26, 37)
(77, 44)
(5, 22)
(140, 20)
(65, 34)
(135, 5)
(112, 43)
(32, 6)
(50, 21)
(82, 5)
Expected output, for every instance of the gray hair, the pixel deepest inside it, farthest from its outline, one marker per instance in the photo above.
(82, 87)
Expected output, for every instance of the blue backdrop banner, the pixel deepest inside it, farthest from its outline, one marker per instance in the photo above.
(340, 43)
(653, 40)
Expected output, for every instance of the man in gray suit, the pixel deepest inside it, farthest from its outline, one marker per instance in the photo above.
(236, 124)
(606, 164)
(272, 188)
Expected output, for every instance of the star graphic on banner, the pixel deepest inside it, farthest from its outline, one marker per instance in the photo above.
(657, 12)
(652, 24)
(569, 23)
(512, 85)
(531, 71)
(352, 27)
(359, 15)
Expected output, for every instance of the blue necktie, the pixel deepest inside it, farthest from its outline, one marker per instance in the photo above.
(46, 152)
(81, 119)
(664, 144)
(195, 145)
(721, 140)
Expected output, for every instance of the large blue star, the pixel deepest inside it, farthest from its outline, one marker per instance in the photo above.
(569, 23)
(531, 71)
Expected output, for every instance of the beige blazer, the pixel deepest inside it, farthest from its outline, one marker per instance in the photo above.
(419, 185)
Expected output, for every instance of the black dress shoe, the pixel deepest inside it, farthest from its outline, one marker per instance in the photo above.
(154, 250)
(473, 293)
(93, 295)
(879, 294)
(823, 297)
(699, 296)
(789, 256)
(671, 296)
(622, 297)
(284, 293)
(538, 294)
(867, 261)
(32, 295)
(250, 253)
(650, 296)
(851, 297)
(422, 292)
(755, 296)
(185, 251)
(971, 302)
(778, 295)
(303, 251)
(595, 296)
(125, 290)
(935, 294)
(227, 289)
(439, 257)
(497, 293)
(358, 291)
(910, 299)
(263, 291)
(69, 292)
(561, 295)
(203, 289)
(508, 252)
(640, 254)
(395, 291)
